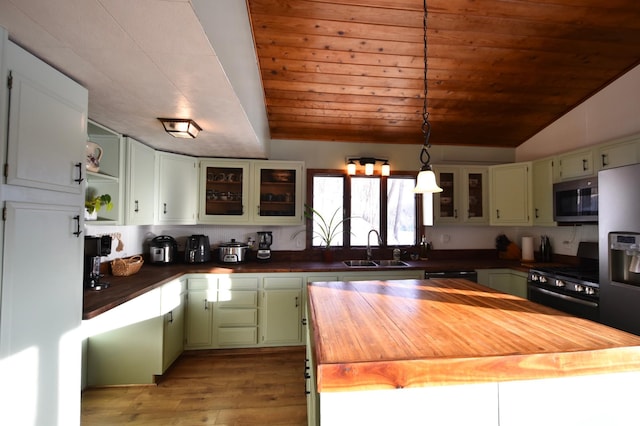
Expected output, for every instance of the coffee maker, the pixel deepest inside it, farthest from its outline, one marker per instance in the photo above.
(94, 249)
(265, 239)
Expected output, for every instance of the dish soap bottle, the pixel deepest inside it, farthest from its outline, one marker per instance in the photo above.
(424, 248)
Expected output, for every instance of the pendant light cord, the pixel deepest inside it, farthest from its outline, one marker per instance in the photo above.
(425, 157)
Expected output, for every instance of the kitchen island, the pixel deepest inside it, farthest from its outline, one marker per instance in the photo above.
(449, 351)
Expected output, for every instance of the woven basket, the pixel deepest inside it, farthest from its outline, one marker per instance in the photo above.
(127, 266)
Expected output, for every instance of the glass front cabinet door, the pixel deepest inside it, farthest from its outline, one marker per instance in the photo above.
(278, 192)
(224, 191)
(463, 199)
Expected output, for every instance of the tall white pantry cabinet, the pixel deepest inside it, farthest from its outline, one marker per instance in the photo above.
(44, 118)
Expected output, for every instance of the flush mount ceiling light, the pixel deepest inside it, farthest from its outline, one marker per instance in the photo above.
(181, 128)
(369, 165)
(426, 182)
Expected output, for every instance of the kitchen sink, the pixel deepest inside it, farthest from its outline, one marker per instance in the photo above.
(386, 263)
(370, 263)
(359, 263)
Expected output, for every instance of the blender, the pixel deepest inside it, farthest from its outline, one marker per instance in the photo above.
(265, 239)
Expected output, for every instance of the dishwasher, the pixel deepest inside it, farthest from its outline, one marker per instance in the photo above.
(467, 275)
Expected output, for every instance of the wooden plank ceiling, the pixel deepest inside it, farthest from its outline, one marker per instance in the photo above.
(499, 71)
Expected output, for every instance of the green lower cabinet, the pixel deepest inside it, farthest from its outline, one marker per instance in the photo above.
(138, 340)
(281, 307)
(199, 313)
(505, 280)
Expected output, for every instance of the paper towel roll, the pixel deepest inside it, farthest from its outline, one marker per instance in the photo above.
(527, 248)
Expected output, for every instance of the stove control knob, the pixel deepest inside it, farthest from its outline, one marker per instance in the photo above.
(559, 283)
(579, 288)
(589, 290)
(542, 279)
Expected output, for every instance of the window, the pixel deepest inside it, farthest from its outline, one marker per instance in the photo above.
(386, 204)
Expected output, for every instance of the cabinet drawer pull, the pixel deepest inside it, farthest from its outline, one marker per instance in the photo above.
(136, 209)
(78, 231)
(605, 161)
(498, 213)
(80, 178)
(297, 304)
(165, 208)
(537, 215)
(206, 305)
(585, 165)
(170, 317)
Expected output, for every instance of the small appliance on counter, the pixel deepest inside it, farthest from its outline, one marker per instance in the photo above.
(197, 249)
(265, 239)
(163, 249)
(233, 251)
(94, 249)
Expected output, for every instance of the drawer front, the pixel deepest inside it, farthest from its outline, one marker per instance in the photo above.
(284, 283)
(237, 317)
(232, 336)
(238, 283)
(202, 283)
(237, 299)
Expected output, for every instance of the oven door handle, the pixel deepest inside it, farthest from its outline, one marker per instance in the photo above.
(564, 296)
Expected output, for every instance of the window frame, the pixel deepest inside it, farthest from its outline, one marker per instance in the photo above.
(346, 235)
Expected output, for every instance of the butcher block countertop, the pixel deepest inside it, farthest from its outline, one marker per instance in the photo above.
(415, 333)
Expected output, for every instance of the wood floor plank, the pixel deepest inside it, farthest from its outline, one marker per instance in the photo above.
(244, 387)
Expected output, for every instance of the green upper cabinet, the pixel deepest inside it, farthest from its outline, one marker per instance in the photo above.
(223, 195)
(510, 194)
(177, 180)
(140, 194)
(464, 196)
(542, 176)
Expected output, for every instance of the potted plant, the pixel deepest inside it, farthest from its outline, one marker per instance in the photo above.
(326, 230)
(93, 205)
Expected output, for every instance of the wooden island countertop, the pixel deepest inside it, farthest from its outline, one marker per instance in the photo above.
(414, 333)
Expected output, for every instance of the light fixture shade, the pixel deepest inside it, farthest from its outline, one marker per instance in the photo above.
(180, 128)
(368, 169)
(426, 183)
(351, 168)
(386, 169)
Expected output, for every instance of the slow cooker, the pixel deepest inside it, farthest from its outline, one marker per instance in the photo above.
(163, 249)
(233, 251)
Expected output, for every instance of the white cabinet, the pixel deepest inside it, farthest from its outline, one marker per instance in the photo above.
(41, 296)
(464, 197)
(224, 191)
(504, 280)
(542, 176)
(198, 316)
(177, 179)
(621, 153)
(510, 194)
(47, 125)
(140, 194)
(576, 164)
(281, 310)
(277, 199)
(109, 179)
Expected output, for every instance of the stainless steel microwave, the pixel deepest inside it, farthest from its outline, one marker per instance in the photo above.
(576, 201)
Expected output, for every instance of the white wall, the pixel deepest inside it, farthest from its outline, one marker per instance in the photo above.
(610, 114)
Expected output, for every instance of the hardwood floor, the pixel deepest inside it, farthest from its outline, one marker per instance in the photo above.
(257, 387)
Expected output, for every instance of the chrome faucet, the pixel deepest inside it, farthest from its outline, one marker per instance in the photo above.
(369, 242)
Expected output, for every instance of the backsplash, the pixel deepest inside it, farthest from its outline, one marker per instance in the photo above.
(564, 239)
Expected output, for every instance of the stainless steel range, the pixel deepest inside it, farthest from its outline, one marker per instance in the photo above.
(571, 289)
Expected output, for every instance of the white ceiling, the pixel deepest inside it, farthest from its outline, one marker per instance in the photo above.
(145, 59)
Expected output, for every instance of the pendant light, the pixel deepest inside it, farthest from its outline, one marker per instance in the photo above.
(426, 182)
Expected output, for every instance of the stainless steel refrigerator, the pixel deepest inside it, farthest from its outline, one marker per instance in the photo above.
(619, 247)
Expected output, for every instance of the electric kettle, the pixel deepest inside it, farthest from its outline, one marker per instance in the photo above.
(197, 249)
